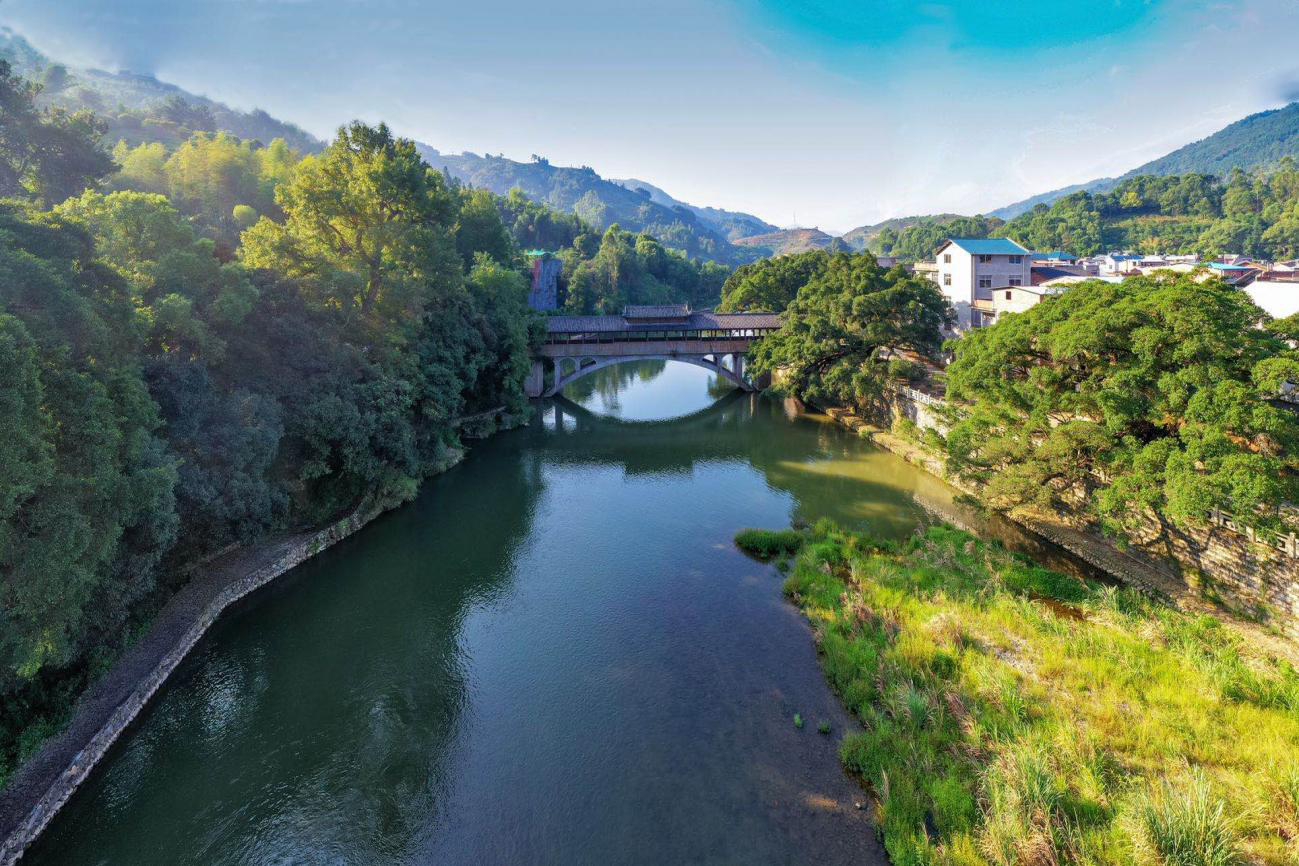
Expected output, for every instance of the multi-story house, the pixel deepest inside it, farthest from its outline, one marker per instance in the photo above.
(970, 269)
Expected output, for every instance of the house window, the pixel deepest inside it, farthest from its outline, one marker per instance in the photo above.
(983, 260)
(1008, 296)
(947, 258)
(1016, 281)
(1017, 260)
(947, 279)
(985, 282)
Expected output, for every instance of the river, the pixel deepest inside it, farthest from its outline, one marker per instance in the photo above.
(554, 655)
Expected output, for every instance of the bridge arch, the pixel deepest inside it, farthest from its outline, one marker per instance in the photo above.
(712, 363)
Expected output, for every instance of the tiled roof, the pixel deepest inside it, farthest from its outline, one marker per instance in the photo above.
(697, 322)
(1042, 273)
(989, 246)
(660, 311)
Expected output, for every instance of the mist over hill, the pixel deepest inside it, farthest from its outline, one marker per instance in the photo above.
(139, 108)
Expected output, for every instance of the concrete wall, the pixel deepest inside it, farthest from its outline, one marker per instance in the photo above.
(955, 280)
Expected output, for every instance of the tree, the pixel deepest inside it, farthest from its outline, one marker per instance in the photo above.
(833, 344)
(48, 155)
(86, 505)
(367, 227)
(770, 284)
(1138, 399)
(1239, 199)
(479, 229)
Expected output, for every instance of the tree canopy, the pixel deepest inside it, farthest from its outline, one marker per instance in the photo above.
(46, 155)
(770, 284)
(169, 386)
(844, 322)
(1140, 398)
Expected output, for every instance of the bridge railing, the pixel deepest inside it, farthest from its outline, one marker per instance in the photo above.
(655, 336)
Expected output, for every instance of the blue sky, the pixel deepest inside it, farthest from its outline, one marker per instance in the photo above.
(817, 112)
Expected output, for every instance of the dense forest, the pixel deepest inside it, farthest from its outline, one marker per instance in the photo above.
(1255, 214)
(204, 343)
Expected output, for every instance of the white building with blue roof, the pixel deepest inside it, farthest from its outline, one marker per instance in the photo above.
(971, 269)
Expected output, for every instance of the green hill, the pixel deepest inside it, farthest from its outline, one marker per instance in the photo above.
(732, 224)
(598, 201)
(140, 108)
(1257, 141)
(860, 238)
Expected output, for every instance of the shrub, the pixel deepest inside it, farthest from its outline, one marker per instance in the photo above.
(767, 543)
(1188, 828)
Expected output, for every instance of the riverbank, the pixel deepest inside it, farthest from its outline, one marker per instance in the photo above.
(1012, 714)
(1096, 549)
(44, 783)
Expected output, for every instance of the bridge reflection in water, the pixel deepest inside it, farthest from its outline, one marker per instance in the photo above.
(577, 346)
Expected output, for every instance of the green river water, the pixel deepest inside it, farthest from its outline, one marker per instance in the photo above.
(554, 655)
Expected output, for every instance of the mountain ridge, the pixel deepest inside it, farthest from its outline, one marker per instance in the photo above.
(139, 108)
(1256, 140)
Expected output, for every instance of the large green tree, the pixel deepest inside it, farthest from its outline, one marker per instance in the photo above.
(840, 330)
(86, 503)
(1144, 398)
(770, 284)
(367, 228)
(45, 155)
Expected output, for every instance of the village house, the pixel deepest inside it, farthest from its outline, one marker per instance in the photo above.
(1011, 299)
(1276, 292)
(970, 269)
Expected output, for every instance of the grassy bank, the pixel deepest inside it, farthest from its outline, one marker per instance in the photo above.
(1014, 715)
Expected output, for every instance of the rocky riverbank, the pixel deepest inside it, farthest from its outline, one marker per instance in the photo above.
(1092, 547)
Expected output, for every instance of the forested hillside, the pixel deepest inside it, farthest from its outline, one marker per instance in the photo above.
(861, 237)
(597, 201)
(731, 224)
(139, 109)
(1259, 141)
(205, 342)
(1255, 214)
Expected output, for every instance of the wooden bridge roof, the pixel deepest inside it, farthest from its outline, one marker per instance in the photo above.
(697, 322)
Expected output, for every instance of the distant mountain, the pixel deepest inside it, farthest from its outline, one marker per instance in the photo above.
(784, 241)
(141, 108)
(1261, 139)
(732, 224)
(598, 201)
(860, 237)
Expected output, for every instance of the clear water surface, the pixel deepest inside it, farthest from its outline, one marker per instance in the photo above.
(554, 655)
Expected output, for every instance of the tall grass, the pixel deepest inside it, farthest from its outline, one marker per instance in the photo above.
(1189, 827)
(1014, 715)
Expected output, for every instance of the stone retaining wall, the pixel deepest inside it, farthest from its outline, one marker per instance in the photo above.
(1247, 573)
(103, 714)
